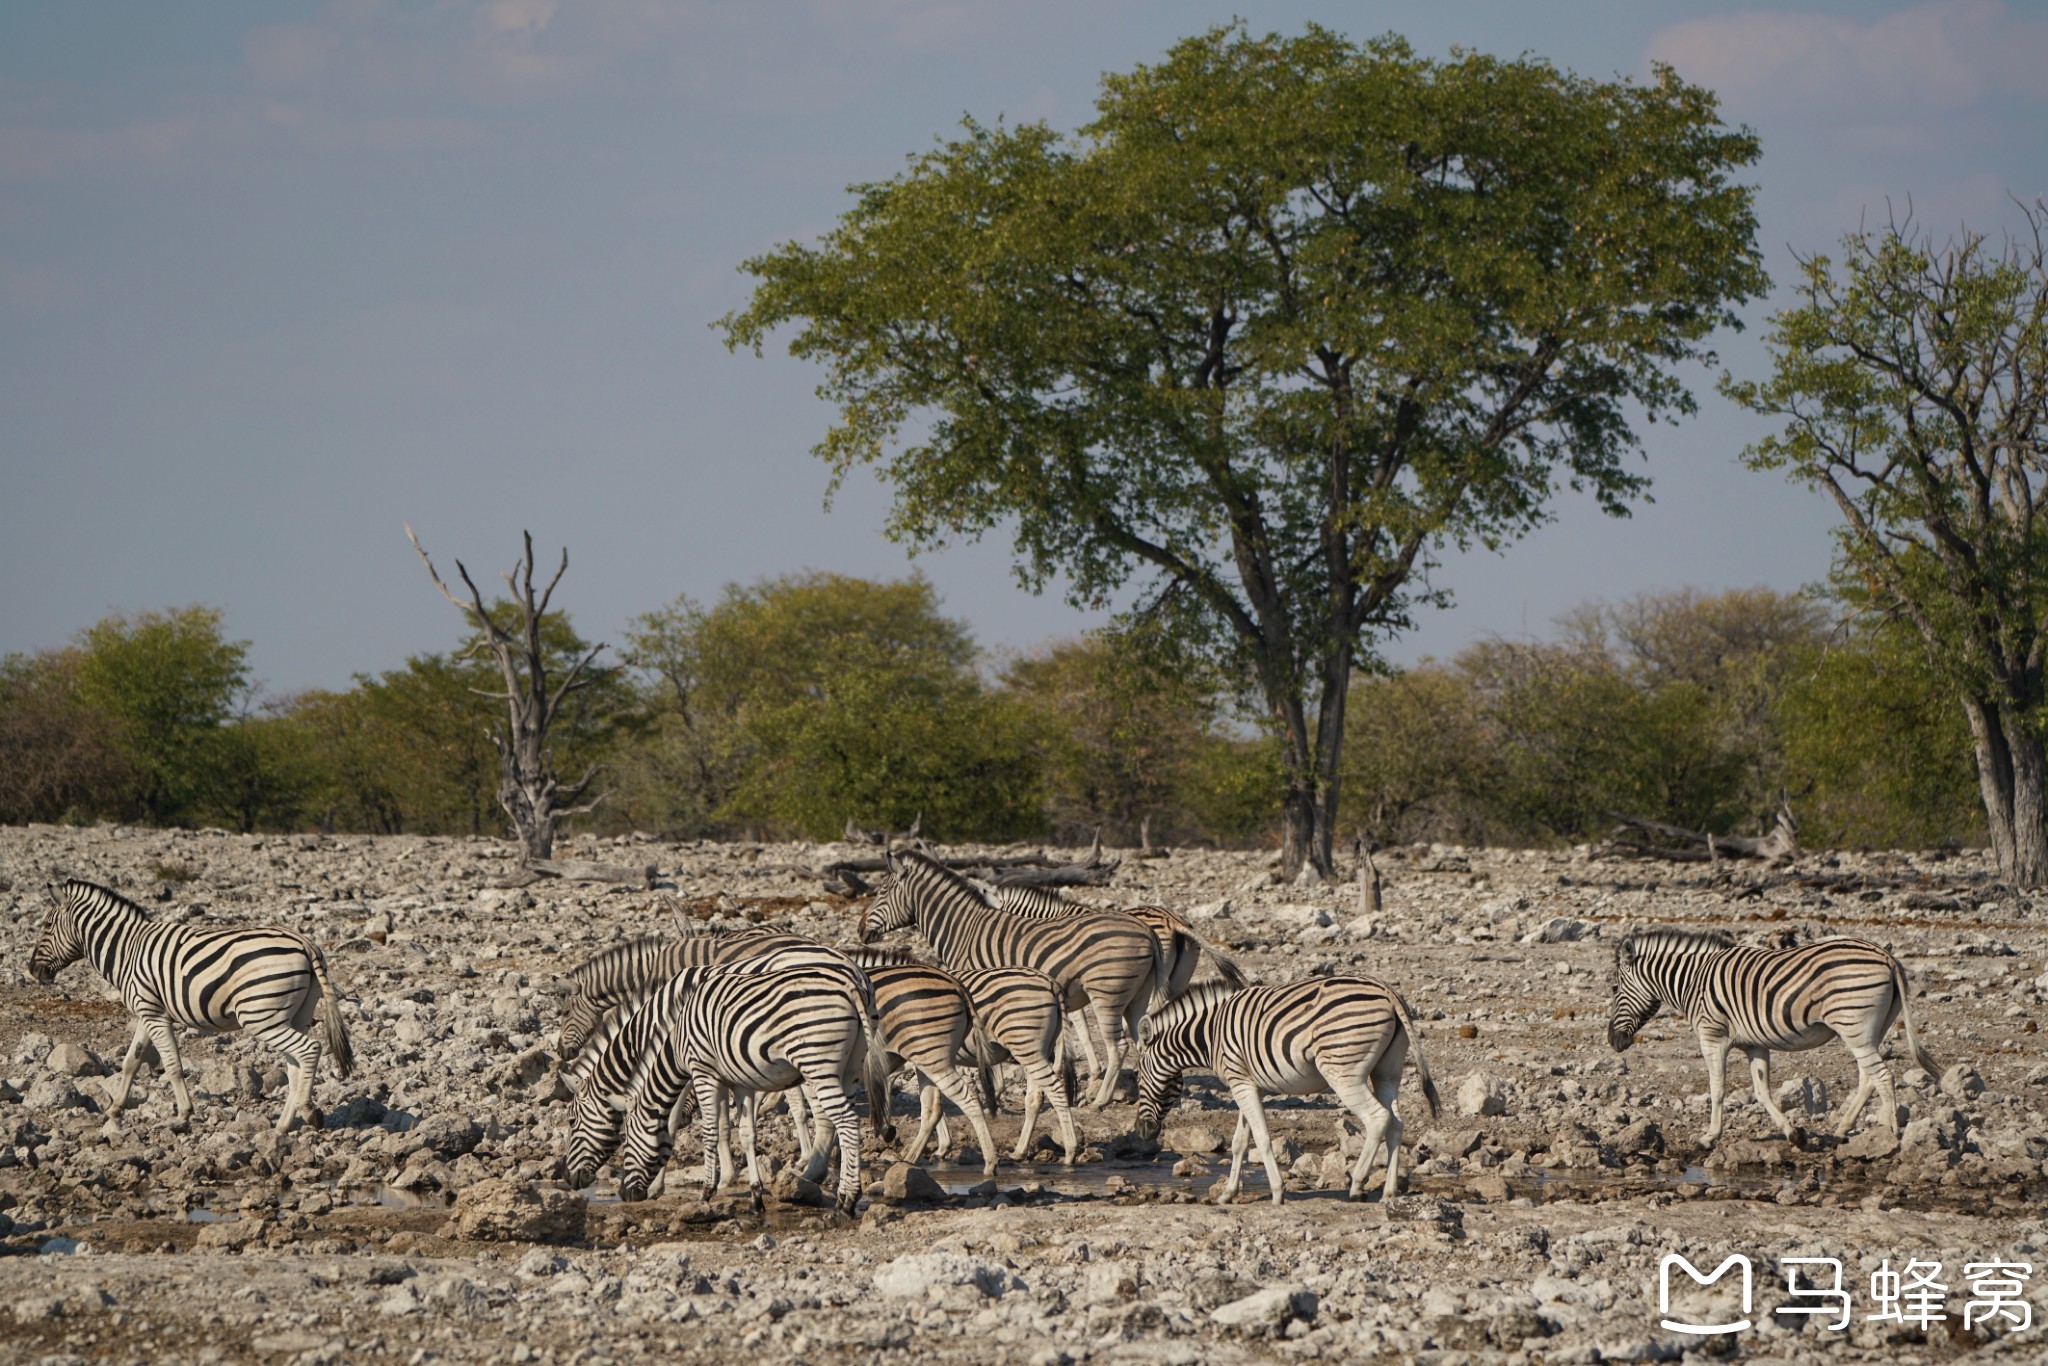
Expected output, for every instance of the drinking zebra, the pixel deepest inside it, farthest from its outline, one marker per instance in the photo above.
(603, 1073)
(1180, 947)
(1347, 1035)
(926, 1019)
(1019, 1017)
(271, 982)
(1104, 961)
(1760, 999)
(751, 1033)
(604, 980)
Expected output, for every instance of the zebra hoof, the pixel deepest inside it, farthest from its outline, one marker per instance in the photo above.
(756, 1199)
(632, 1194)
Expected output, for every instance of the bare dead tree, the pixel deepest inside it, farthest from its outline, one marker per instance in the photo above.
(534, 798)
(1368, 876)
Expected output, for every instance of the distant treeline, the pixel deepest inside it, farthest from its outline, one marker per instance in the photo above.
(791, 705)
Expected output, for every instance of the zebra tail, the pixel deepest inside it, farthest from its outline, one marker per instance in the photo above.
(984, 1071)
(1429, 1091)
(1226, 966)
(1160, 985)
(1069, 1077)
(1920, 1054)
(875, 1070)
(332, 1026)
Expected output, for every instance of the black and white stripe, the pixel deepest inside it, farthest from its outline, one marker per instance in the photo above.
(271, 982)
(1760, 999)
(1104, 961)
(609, 977)
(1180, 948)
(1019, 1016)
(926, 1020)
(1347, 1035)
(752, 1033)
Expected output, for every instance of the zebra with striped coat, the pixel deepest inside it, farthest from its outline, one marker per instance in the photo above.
(1180, 948)
(927, 1020)
(604, 980)
(1760, 999)
(603, 1074)
(752, 1033)
(1020, 1017)
(271, 982)
(1348, 1035)
(1105, 961)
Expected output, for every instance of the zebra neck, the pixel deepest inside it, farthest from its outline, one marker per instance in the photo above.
(1685, 982)
(111, 933)
(947, 921)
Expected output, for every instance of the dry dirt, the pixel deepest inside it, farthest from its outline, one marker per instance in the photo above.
(424, 1220)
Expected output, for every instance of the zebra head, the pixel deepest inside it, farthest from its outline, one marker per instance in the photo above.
(889, 908)
(580, 1019)
(1651, 969)
(60, 944)
(1173, 1041)
(593, 1133)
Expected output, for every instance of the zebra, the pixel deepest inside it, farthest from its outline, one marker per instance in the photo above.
(926, 1019)
(602, 1073)
(752, 1032)
(1348, 1035)
(598, 984)
(1019, 1017)
(272, 982)
(1104, 960)
(1760, 999)
(1179, 946)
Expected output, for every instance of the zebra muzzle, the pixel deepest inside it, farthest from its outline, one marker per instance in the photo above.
(1620, 1038)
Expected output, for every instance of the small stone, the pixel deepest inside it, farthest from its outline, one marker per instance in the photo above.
(74, 1060)
(1191, 1138)
(1960, 1083)
(1269, 1310)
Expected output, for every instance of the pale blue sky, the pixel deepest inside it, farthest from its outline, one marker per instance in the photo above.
(275, 278)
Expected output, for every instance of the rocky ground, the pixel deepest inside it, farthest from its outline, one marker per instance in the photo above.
(422, 1221)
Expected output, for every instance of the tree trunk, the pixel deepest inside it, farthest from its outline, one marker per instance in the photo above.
(2011, 768)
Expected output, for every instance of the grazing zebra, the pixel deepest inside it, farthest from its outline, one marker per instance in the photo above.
(1019, 1017)
(926, 1018)
(1347, 1035)
(602, 1073)
(1760, 999)
(751, 1033)
(1179, 946)
(607, 978)
(271, 982)
(1103, 960)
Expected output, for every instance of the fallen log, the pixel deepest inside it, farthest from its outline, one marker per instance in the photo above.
(576, 870)
(1699, 846)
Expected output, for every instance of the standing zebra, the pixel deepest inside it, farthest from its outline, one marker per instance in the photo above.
(1103, 960)
(1348, 1035)
(751, 1033)
(1019, 1017)
(604, 980)
(926, 1018)
(271, 982)
(1760, 999)
(1180, 947)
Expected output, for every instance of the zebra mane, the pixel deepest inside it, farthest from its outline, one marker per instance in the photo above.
(1672, 939)
(63, 889)
(1198, 999)
(584, 973)
(919, 859)
(613, 1023)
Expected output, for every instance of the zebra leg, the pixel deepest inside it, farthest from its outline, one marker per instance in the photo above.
(1871, 1074)
(119, 1100)
(1760, 1082)
(756, 1196)
(1387, 1088)
(828, 1095)
(165, 1037)
(1112, 1023)
(710, 1129)
(928, 1119)
(1254, 1112)
(959, 1088)
(1238, 1137)
(1714, 1047)
(1034, 1091)
(301, 1061)
(1374, 1117)
(814, 1132)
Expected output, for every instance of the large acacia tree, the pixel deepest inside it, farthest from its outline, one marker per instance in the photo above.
(1912, 383)
(1288, 318)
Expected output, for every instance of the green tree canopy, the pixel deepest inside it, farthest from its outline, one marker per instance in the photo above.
(1288, 318)
(169, 681)
(1911, 382)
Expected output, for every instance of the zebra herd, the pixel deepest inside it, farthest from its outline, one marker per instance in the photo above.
(658, 1029)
